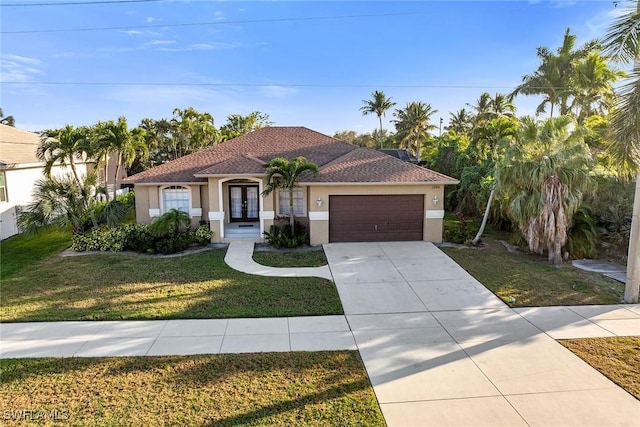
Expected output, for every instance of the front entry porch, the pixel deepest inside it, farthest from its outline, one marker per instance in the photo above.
(248, 230)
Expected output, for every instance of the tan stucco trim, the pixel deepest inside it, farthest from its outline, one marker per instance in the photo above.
(160, 184)
(341, 184)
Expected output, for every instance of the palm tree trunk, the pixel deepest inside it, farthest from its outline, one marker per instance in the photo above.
(380, 136)
(74, 170)
(632, 287)
(106, 175)
(485, 216)
(292, 221)
(115, 178)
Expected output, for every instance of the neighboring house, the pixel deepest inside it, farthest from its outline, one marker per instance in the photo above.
(19, 171)
(359, 194)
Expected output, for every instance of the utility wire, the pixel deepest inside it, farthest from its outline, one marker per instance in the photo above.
(194, 24)
(300, 85)
(74, 3)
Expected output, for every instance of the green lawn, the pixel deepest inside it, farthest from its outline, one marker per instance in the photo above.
(617, 358)
(314, 258)
(121, 286)
(276, 389)
(22, 251)
(531, 280)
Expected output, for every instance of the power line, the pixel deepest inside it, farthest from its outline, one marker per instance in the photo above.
(258, 85)
(193, 24)
(73, 3)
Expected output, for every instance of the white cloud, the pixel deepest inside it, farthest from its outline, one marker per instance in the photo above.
(160, 43)
(150, 19)
(131, 32)
(275, 91)
(19, 68)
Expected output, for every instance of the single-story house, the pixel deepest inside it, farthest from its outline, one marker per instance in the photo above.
(359, 194)
(20, 168)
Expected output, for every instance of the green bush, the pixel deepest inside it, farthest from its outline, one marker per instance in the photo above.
(139, 238)
(460, 229)
(203, 235)
(280, 236)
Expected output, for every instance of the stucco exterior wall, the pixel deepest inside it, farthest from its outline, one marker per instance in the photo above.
(319, 215)
(142, 204)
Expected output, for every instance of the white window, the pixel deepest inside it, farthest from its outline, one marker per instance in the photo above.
(3, 188)
(298, 201)
(175, 197)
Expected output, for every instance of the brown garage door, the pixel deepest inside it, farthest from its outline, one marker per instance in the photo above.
(375, 218)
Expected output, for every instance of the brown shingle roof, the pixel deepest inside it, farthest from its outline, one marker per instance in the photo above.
(18, 146)
(338, 161)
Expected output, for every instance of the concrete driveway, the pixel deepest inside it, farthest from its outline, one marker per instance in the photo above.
(440, 349)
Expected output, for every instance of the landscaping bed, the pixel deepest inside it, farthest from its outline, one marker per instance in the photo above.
(284, 389)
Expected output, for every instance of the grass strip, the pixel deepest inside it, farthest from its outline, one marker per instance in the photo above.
(617, 358)
(276, 389)
(315, 258)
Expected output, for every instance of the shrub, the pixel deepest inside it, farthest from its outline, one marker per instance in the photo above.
(172, 222)
(280, 236)
(459, 230)
(203, 235)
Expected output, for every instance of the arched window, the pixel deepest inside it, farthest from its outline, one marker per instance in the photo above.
(176, 197)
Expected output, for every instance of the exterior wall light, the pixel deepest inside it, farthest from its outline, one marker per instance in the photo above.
(435, 200)
(319, 201)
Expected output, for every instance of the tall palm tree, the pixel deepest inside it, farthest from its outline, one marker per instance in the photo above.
(546, 175)
(413, 124)
(64, 147)
(622, 43)
(115, 138)
(553, 78)
(593, 80)
(284, 174)
(493, 137)
(379, 104)
(488, 108)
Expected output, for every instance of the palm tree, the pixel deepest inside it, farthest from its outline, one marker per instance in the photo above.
(284, 174)
(461, 121)
(593, 80)
(622, 43)
(553, 78)
(238, 125)
(379, 104)
(60, 201)
(413, 124)
(488, 108)
(493, 137)
(64, 147)
(546, 175)
(115, 138)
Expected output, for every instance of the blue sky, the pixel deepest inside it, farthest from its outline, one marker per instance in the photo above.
(302, 72)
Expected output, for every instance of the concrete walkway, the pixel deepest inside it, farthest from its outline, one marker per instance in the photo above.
(439, 348)
(240, 257)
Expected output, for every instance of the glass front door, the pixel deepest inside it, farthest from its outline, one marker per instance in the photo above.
(243, 201)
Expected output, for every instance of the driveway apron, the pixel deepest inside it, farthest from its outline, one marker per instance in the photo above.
(441, 349)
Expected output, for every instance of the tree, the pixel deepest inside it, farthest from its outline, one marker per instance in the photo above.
(461, 121)
(116, 139)
(193, 131)
(493, 138)
(413, 124)
(8, 120)
(238, 125)
(622, 43)
(553, 78)
(61, 201)
(593, 86)
(546, 176)
(284, 174)
(379, 104)
(64, 147)
(487, 108)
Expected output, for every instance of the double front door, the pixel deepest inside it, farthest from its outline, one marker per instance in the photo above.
(244, 204)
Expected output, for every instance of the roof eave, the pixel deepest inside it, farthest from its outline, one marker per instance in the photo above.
(454, 182)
